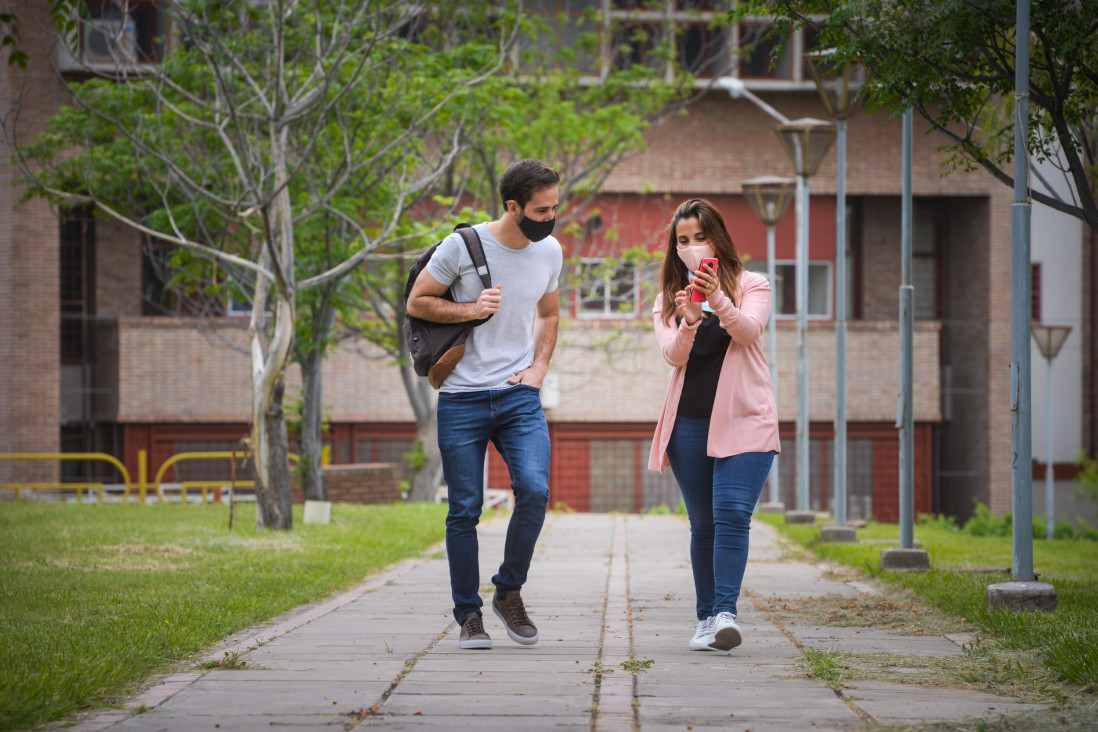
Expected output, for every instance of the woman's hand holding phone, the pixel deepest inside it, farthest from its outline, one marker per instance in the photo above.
(698, 290)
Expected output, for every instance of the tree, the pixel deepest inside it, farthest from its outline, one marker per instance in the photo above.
(543, 110)
(270, 126)
(953, 62)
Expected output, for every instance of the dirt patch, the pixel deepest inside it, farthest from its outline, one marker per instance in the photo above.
(896, 610)
(137, 558)
(158, 550)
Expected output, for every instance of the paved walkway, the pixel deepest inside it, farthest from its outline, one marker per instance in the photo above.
(604, 590)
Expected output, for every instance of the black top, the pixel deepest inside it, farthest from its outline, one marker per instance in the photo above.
(703, 369)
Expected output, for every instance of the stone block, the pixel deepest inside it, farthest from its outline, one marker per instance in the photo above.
(1025, 596)
(772, 507)
(906, 560)
(834, 532)
(800, 517)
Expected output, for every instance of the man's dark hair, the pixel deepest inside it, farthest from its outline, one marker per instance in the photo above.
(523, 179)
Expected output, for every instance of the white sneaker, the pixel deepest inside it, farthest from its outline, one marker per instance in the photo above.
(703, 635)
(725, 634)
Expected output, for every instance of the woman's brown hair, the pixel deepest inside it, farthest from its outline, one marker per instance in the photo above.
(674, 276)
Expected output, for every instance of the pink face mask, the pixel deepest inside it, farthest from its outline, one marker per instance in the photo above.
(692, 255)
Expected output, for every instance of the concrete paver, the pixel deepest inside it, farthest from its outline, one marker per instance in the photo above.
(610, 594)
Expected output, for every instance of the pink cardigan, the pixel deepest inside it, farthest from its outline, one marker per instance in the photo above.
(745, 417)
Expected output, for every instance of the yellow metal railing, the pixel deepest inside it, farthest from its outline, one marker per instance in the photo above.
(141, 485)
(63, 456)
(205, 485)
(78, 487)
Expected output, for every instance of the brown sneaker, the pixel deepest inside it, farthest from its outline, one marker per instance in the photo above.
(472, 633)
(512, 612)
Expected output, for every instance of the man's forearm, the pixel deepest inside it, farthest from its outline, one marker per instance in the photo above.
(545, 339)
(440, 310)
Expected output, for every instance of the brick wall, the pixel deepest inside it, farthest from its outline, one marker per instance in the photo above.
(30, 402)
(117, 270)
(360, 483)
(182, 371)
(720, 142)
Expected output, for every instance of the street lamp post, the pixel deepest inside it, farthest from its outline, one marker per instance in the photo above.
(836, 84)
(805, 141)
(769, 197)
(1049, 340)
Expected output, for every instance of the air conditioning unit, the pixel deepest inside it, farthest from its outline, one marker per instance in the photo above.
(110, 40)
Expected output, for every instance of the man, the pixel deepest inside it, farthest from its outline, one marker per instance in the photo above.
(494, 391)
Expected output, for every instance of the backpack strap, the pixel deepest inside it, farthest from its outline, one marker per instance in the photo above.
(476, 252)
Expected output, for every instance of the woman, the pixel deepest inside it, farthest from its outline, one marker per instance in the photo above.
(718, 429)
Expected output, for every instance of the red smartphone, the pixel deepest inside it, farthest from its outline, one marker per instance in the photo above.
(697, 295)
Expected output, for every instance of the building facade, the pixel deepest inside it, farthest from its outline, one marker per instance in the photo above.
(91, 369)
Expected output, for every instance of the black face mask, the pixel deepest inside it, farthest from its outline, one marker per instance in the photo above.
(536, 230)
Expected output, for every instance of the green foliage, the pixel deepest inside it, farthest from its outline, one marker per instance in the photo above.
(953, 62)
(824, 665)
(634, 666)
(97, 599)
(984, 523)
(9, 38)
(1086, 482)
(415, 457)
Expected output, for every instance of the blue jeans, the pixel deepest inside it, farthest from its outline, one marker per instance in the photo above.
(515, 423)
(720, 496)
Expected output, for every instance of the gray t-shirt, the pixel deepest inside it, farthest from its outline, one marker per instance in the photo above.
(500, 348)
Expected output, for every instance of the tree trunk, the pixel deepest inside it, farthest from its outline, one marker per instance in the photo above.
(426, 480)
(273, 505)
(270, 450)
(423, 398)
(312, 418)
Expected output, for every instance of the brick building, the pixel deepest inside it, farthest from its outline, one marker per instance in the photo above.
(90, 370)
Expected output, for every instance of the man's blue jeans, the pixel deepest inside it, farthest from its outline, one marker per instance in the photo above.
(720, 496)
(514, 422)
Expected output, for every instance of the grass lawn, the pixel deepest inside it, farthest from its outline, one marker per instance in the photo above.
(96, 599)
(1065, 641)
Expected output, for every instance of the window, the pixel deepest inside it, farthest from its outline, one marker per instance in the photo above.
(77, 287)
(703, 47)
(784, 291)
(635, 43)
(111, 34)
(565, 33)
(756, 60)
(924, 262)
(596, 38)
(123, 31)
(609, 288)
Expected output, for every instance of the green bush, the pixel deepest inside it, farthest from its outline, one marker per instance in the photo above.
(984, 523)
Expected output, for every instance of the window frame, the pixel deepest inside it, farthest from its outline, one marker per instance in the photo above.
(636, 296)
(759, 266)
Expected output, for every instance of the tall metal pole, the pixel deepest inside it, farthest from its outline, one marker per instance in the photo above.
(1020, 374)
(840, 329)
(906, 418)
(802, 348)
(1050, 498)
(771, 273)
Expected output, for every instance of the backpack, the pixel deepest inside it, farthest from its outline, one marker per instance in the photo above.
(436, 348)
